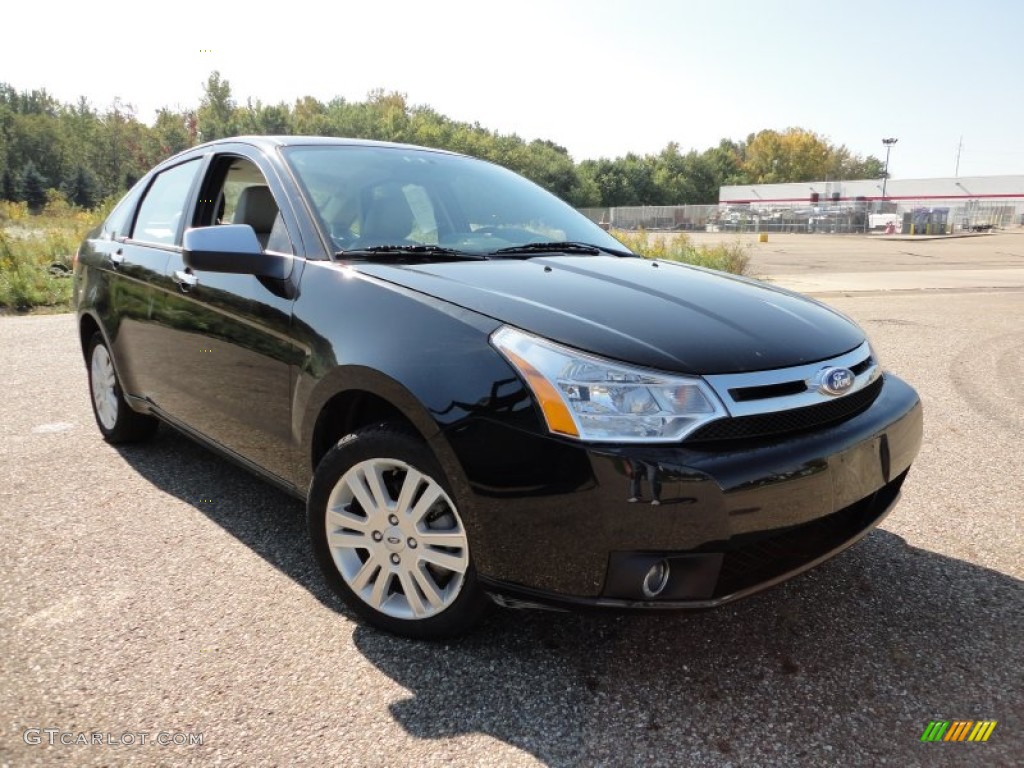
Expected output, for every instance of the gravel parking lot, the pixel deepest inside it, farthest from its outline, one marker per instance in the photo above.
(160, 590)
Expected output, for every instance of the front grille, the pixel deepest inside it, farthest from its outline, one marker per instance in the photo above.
(791, 421)
(761, 558)
(742, 394)
(862, 366)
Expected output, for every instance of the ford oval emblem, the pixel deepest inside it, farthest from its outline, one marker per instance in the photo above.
(835, 381)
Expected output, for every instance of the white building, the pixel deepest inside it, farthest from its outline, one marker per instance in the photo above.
(972, 201)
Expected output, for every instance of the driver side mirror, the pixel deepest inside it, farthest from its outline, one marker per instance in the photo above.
(232, 248)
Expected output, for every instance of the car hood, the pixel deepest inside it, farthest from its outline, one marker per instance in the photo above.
(657, 314)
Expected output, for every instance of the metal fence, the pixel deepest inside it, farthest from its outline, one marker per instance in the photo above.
(675, 218)
(840, 217)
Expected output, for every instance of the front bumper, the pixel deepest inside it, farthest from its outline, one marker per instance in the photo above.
(557, 527)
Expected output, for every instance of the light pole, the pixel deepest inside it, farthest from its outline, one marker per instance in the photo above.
(888, 148)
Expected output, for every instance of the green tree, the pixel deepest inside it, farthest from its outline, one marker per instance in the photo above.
(75, 147)
(797, 154)
(389, 115)
(608, 179)
(868, 168)
(110, 151)
(78, 125)
(10, 186)
(258, 120)
(82, 189)
(639, 173)
(171, 132)
(549, 165)
(216, 109)
(310, 118)
(727, 160)
(33, 183)
(703, 179)
(675, 176)
(792, 155)
(36, 137)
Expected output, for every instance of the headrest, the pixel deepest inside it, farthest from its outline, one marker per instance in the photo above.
(256, 207)
(390, 219)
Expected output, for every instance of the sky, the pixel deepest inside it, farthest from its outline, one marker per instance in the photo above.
(600, 78)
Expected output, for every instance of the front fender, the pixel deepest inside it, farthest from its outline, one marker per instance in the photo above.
(429, 359)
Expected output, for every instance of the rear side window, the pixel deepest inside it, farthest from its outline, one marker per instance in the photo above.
(160, 214)
(120, 219)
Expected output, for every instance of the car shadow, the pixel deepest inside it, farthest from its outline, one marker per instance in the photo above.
(847, 663)
(850, 661)
(269, 521)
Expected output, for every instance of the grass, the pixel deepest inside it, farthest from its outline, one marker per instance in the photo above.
(725, 257)
(36, 252)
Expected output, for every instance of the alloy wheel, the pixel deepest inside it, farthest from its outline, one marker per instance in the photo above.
(104, 386)
(396, 539)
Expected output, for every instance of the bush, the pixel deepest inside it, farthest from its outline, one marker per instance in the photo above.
(725, 257)
(11, 212)
(25, 278)
(35, 257)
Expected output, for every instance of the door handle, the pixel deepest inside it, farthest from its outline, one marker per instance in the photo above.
(117, 257)
(185, 280)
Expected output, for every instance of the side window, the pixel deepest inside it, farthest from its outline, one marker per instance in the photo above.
(164, 204)
(119, 221)
(242, 196)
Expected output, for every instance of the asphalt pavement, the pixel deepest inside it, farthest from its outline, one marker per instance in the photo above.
(158, 593)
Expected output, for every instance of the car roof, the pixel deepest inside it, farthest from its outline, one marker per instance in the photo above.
(268, 142)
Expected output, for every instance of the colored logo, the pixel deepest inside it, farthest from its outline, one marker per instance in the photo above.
(958, 730)
(835, 381)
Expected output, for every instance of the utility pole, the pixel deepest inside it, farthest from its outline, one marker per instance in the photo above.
(959, 147)
(888, 148)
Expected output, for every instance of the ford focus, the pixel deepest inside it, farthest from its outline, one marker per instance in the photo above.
(479, 394)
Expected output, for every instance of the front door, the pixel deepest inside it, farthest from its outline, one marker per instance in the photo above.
(231, 345)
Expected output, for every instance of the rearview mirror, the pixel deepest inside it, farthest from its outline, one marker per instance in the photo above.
(232, 248)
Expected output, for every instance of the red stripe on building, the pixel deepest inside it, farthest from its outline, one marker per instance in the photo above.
(868, 198)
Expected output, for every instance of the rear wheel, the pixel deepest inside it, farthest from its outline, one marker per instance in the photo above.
(389, 538)
(117, 421)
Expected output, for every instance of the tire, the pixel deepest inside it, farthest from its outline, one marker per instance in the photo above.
(389, 539)
(117, 421)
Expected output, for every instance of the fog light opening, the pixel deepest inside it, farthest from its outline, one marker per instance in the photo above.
(656, 579)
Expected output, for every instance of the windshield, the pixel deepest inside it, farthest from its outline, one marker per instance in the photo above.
(371, 196)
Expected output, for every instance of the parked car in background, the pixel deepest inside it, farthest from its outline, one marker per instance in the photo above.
(477, 391)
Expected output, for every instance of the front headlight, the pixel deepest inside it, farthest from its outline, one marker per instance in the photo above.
(590, 398)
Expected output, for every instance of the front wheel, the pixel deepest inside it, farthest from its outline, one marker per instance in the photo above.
(389, 538)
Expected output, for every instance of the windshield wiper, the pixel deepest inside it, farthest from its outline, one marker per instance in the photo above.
(567, 246)
(381, 252)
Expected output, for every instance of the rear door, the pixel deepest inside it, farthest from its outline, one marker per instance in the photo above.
(138, 282)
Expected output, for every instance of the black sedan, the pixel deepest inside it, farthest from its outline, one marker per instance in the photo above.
(476, 390)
